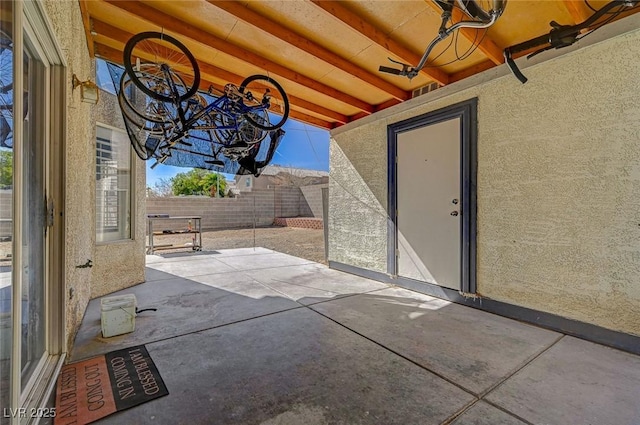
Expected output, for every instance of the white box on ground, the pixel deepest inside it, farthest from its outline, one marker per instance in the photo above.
(118, 315)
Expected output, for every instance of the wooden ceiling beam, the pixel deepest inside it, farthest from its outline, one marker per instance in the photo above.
(241, 11)
(486, 44)
(199, 35)
(577, 10)
(86, 23)
(384, 105)
(106, 30)
(475, 69)
(115, 55)
(374, 34)
(310, 119)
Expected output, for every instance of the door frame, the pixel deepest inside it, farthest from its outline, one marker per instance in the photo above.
(467, 112)
(32, 27)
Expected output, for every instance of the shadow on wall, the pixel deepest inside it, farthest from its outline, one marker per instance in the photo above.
(358, 219)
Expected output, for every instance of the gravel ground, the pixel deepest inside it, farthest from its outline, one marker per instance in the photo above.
(304, 243)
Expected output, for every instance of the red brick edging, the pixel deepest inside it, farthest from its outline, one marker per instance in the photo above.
(304, 222)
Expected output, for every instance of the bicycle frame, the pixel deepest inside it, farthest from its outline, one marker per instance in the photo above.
(222, 105)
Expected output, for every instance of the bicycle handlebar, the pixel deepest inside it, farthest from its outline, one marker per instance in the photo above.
(560, 36)
(390, 70)
(444, 32)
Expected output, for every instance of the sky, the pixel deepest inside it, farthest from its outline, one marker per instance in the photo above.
(303, 146)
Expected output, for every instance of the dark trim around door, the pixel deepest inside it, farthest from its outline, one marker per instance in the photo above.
(467, 112)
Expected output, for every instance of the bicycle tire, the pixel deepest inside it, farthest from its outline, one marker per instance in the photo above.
(139, 121)
(187, 68)
(155, 111)
(480, 10)
(138, 138)
(282, 102)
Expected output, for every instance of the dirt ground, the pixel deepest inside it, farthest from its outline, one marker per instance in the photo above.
(304, 243)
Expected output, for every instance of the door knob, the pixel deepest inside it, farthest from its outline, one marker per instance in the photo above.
(454, 213)
(454, 202)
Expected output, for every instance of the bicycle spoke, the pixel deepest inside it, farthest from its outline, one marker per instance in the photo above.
(266, 103)
(163, 60)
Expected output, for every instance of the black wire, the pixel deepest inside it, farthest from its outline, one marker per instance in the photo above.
(606, 21)
(589, 6)
(439, 54)
(455, 44)
(466, 54)
(474, 45)
(610, 13)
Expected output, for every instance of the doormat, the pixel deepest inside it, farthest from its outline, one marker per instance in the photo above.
(92, 389)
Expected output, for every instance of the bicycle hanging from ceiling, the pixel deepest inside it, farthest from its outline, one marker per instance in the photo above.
(167, 118)
(481, 13)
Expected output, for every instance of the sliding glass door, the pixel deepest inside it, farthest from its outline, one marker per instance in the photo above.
(6, 203)
(33, 338)
(27, 313)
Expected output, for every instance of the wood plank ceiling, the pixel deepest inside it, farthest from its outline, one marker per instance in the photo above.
(324, 53)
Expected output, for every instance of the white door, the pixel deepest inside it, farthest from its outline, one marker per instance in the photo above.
(428, 203)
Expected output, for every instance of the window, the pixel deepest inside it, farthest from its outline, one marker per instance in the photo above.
(103, 78)
(247, 182)
(113, 185)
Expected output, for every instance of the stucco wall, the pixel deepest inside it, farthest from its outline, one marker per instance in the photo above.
(119, 265)
(558, 186)
(79, 157)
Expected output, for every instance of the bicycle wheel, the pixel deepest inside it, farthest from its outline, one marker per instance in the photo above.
(152, 54)
(6, 90)
(241, 130)
(133, 101)
(143, 141)
(263, 95)
(482, 10)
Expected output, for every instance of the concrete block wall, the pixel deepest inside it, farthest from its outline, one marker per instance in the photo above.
(259, 205)
(287, 201)
(313, 197)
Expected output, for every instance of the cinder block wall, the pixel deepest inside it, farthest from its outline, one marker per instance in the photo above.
(287, 201)
(313, 197)
(261, 206)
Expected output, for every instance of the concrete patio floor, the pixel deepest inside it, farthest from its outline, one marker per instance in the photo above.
(253, 336)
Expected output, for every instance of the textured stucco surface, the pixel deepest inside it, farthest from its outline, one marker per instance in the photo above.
(119, 265)
(79, 209)
(558, 186)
